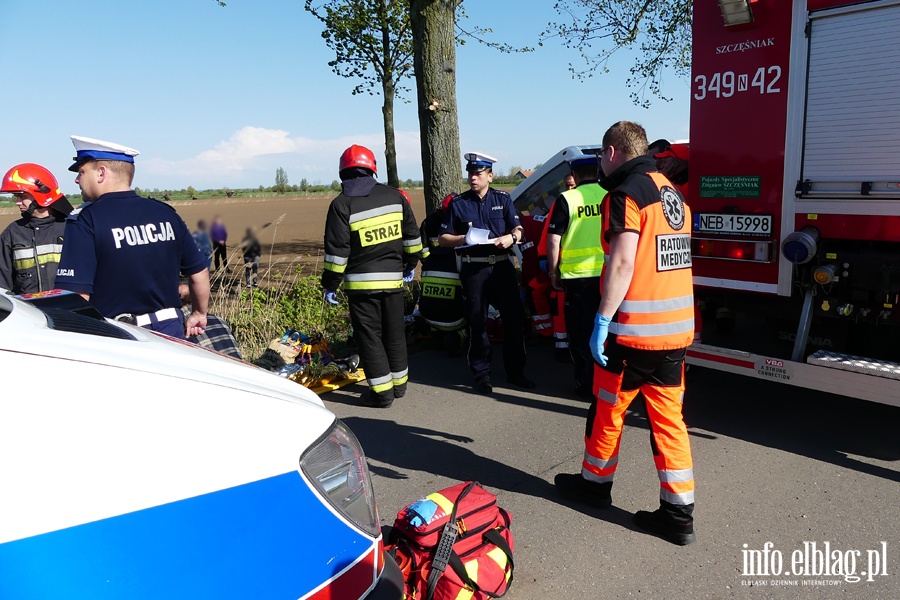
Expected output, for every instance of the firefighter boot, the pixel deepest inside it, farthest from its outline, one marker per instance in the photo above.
(660, 523)
(575, 487)
(400, 390)
(373, 400)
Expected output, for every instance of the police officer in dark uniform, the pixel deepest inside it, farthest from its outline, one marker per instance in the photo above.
(487, 273)
(124, 253)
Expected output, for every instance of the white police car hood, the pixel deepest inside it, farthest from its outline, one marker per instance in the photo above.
(147, 422)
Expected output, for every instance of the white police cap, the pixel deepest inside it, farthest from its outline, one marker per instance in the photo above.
(476, 161)
(88, 149)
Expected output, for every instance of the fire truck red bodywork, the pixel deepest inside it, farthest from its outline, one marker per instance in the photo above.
(774, 151)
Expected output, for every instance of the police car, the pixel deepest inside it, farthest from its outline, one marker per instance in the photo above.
(135, 466)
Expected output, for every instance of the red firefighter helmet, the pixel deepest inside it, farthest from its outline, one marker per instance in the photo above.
(358, 156)
(34, 179)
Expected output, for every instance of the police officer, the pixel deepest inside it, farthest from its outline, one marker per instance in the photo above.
(575, 261)
(124, 253)
(647, 315)
(30, 247)
(372, 244)
(441, 301)
(487, 273)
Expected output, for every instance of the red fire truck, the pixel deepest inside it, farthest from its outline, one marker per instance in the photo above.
(795, 192)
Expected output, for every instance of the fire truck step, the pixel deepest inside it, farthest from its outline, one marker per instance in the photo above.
(858, 364)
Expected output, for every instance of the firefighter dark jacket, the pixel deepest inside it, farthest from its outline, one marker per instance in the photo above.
(370, 240)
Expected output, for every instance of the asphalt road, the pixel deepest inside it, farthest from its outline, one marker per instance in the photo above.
(772, 463)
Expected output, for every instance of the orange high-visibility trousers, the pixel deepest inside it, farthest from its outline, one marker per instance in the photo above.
(540, 299)
(558, 314)
(659, 375)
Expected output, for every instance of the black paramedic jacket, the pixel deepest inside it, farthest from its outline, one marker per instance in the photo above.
(370, 240)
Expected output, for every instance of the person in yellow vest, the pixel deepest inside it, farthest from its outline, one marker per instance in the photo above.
(575, 261)
(646, 319)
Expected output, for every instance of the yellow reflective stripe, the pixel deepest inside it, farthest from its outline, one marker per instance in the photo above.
(400, 380)
(387, 219)
(465, 594)
(382, 387)
(441, 501)
(335, 268)
(373, 285)
(412, 249)
(27, 263)
(499, 557)
(441, 280)
(581, 252)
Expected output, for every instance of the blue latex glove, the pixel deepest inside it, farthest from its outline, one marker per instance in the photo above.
(409, 276)
(331, 298)
(598, 338)
(543, 264)
(421, 512)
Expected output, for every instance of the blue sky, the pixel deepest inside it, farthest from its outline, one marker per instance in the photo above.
(222, 97)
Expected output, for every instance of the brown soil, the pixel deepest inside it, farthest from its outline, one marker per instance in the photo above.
(289, 228)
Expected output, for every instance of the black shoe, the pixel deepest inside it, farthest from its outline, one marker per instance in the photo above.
(659, 523)
(521, 381)
(483, 385)
(575, 487)
(375, 400)
(399, 391)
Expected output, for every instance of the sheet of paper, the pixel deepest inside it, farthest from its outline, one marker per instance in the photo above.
(476, 236)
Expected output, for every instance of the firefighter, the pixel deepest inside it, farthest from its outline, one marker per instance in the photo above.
(647, 315)
(372, 245)
(441, 302)
(556, 298)
(575, 261)
(30, 247)
(487, 273)
(124, 253)
(535, 282)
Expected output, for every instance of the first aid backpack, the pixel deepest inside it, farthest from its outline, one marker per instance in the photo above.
(454, 544)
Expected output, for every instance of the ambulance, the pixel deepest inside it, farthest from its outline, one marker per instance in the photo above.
(136, 466)
(794, 186)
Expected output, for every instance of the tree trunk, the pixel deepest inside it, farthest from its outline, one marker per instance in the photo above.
(434, 44)
(387, 109)
(390, 143)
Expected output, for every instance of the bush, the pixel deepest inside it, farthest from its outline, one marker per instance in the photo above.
(289, 297)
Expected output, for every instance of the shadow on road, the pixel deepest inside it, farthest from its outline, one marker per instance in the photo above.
(438, 452)
(824, 427)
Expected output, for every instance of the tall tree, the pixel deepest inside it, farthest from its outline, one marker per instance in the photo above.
(281, 181)
(434, 43)
(372, 41)
(660, 30)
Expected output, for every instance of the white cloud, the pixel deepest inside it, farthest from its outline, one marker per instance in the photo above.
(250, 156)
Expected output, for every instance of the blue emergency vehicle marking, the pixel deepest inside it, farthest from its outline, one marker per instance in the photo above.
(182, 550)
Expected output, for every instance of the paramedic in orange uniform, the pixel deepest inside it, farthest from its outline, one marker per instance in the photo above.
(646, 319)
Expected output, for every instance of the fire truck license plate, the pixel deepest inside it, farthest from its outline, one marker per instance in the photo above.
(729, 223)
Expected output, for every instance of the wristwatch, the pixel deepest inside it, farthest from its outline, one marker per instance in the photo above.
(514, 237)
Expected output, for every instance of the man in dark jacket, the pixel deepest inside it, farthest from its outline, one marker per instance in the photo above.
(30, 247)
(372, 245)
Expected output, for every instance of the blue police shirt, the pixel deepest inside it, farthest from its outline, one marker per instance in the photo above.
(496, 213)
(126, 252)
